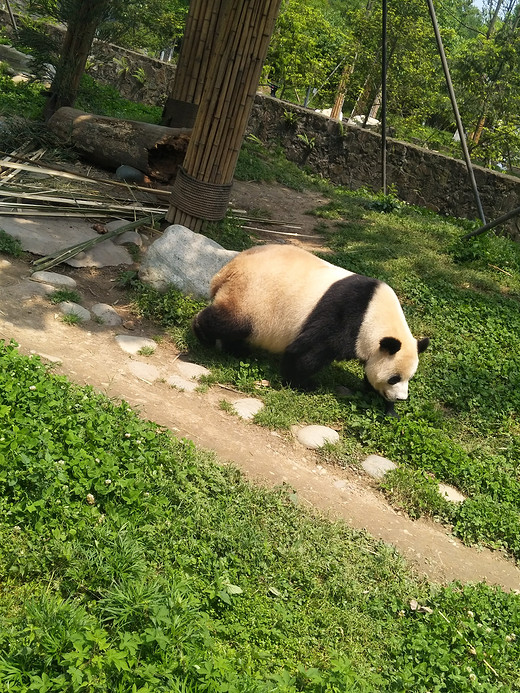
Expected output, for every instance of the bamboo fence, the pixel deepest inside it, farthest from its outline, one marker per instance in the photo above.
(202, 187)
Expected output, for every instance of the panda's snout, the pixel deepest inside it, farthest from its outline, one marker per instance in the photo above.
(398, 392)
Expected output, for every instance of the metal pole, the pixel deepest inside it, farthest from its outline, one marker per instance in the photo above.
(460, 127)
(11, 15)
(383, 95)
(492, 224)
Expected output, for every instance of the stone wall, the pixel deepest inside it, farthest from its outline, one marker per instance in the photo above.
(136, 76)
(351, 156)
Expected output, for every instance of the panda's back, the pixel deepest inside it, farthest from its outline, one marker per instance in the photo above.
(276, 288)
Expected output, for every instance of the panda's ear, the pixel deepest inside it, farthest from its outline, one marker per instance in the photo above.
(390, 344)
(422, 344)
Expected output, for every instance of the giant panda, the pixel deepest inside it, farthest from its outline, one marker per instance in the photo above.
(286, 300)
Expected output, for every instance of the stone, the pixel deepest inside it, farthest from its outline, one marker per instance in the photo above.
(29, 288)
(130, 174)
(144, 371)
(185, 260)
(314, 437)
(182, 383)
(59, 281)
(106, 314)
(71, 308)
(130, 237)
(133, 345)
(451, 494)
(247, 407)
(377, 466)
(190, 370)
(46, 235)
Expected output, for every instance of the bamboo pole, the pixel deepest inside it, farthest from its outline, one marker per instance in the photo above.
(244, 30)
(192, 67)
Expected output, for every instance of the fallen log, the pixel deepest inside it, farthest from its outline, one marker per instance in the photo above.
(155, 150)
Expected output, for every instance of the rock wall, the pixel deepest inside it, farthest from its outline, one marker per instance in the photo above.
(351, 156)
(136, 76)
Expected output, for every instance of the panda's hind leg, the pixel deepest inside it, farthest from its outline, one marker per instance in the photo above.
(216, 325)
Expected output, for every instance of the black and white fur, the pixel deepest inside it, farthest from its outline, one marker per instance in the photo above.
(286, 300)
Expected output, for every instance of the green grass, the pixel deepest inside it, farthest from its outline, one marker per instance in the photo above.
(61, 295)
(9, 245)
(27, 100)
(130, 561)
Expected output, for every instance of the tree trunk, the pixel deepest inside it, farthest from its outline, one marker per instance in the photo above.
(110, 142)
(180, 109)
(203, 185)
(81, 29)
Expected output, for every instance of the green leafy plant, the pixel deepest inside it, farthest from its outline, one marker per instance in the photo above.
(308, 141)
(9, 245)
(416, 492)
(71, 319)
(61, 295)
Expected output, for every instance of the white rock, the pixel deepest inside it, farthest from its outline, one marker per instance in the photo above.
(70, 308)
(131, 237)
(35, 288)
(377, 466)
(54, 279)
(132, 344)
(144, 371)
(247, 407)
(182, 383)
(451, 494)
(46, 235)
(190, 370)
(107, 314)
(185, 260)
(314, 437)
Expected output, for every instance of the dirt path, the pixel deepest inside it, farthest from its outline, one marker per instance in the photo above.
(89, 354)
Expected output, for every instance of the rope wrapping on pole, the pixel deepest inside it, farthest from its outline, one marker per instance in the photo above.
(200, 199)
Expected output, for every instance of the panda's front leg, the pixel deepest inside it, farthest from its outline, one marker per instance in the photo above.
(300, 363)
(389, 406)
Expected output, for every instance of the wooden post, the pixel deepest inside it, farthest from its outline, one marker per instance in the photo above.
(180, 109)
(203, 185)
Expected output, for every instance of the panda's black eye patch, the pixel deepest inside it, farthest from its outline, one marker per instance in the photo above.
(394, 380)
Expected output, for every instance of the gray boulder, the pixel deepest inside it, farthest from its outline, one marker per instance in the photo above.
(185, 260)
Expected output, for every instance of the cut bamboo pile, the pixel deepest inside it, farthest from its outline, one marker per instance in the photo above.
(243, 33)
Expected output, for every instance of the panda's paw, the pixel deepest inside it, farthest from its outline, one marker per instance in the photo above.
(390, 410)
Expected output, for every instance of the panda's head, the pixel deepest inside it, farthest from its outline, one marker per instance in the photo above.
(390, 368)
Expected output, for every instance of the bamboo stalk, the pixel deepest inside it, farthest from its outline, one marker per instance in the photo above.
(82, 205)
(63, 173)
(240, 47)
(56, 258)
(235, 50)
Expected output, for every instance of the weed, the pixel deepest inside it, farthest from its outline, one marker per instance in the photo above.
(61, 295)
(309, 142)
(229, 233)
(416, 492)
(9, 245)
(290, 118)
(146, 351)
(71, 319)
